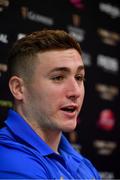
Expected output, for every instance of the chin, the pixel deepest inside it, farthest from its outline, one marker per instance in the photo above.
(69, 128)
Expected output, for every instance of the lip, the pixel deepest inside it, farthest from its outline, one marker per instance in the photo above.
(70, 105)
(70, 114)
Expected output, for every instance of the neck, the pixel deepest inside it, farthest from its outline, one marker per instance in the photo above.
(51, 137)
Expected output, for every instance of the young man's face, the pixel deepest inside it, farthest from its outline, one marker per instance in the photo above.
(55, 96)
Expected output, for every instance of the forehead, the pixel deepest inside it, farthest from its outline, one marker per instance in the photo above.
(69, 58)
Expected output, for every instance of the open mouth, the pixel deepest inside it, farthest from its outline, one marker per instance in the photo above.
(69, 109)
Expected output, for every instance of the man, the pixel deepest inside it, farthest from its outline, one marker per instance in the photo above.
(46, 79)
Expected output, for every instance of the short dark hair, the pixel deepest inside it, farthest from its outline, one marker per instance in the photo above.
(22, 55)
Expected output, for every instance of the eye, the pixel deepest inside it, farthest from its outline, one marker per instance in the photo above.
(80, 77)
(58, 78)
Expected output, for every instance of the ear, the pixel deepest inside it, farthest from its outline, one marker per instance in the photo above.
(16, 87)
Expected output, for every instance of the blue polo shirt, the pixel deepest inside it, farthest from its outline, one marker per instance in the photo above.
(24, 155)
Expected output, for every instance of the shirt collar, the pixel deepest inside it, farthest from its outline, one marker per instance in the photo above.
(27, 136)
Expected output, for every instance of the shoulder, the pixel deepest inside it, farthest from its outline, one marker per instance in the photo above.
(91, 168)
(85, 167)
(19, 162)
(82, 166)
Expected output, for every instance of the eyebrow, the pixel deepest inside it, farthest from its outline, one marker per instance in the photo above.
(66, 69)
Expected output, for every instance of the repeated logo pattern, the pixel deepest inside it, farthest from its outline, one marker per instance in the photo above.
(95, 25)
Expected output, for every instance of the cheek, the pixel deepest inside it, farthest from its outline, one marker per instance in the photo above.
(49, 95)
(52, 98)
(54, 92)
(83, 92)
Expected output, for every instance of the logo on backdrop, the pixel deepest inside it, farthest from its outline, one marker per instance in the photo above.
(106, 120)
(107, 175)
(24, 11)
(86, 59)
(6, 103)
(113, 11)
(109, 37)
(107, 92)
(4, 38)
(104, 147)
(3, 68)
(21, 35)
(33, 16)
(4, 4)
(74, 28)
(76, 20)
(77, 3)
(77, 33)
(108, 64)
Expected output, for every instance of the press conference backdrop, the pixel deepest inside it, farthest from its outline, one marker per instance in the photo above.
(96, 26)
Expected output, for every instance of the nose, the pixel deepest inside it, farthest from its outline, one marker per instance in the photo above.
(75, 89)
